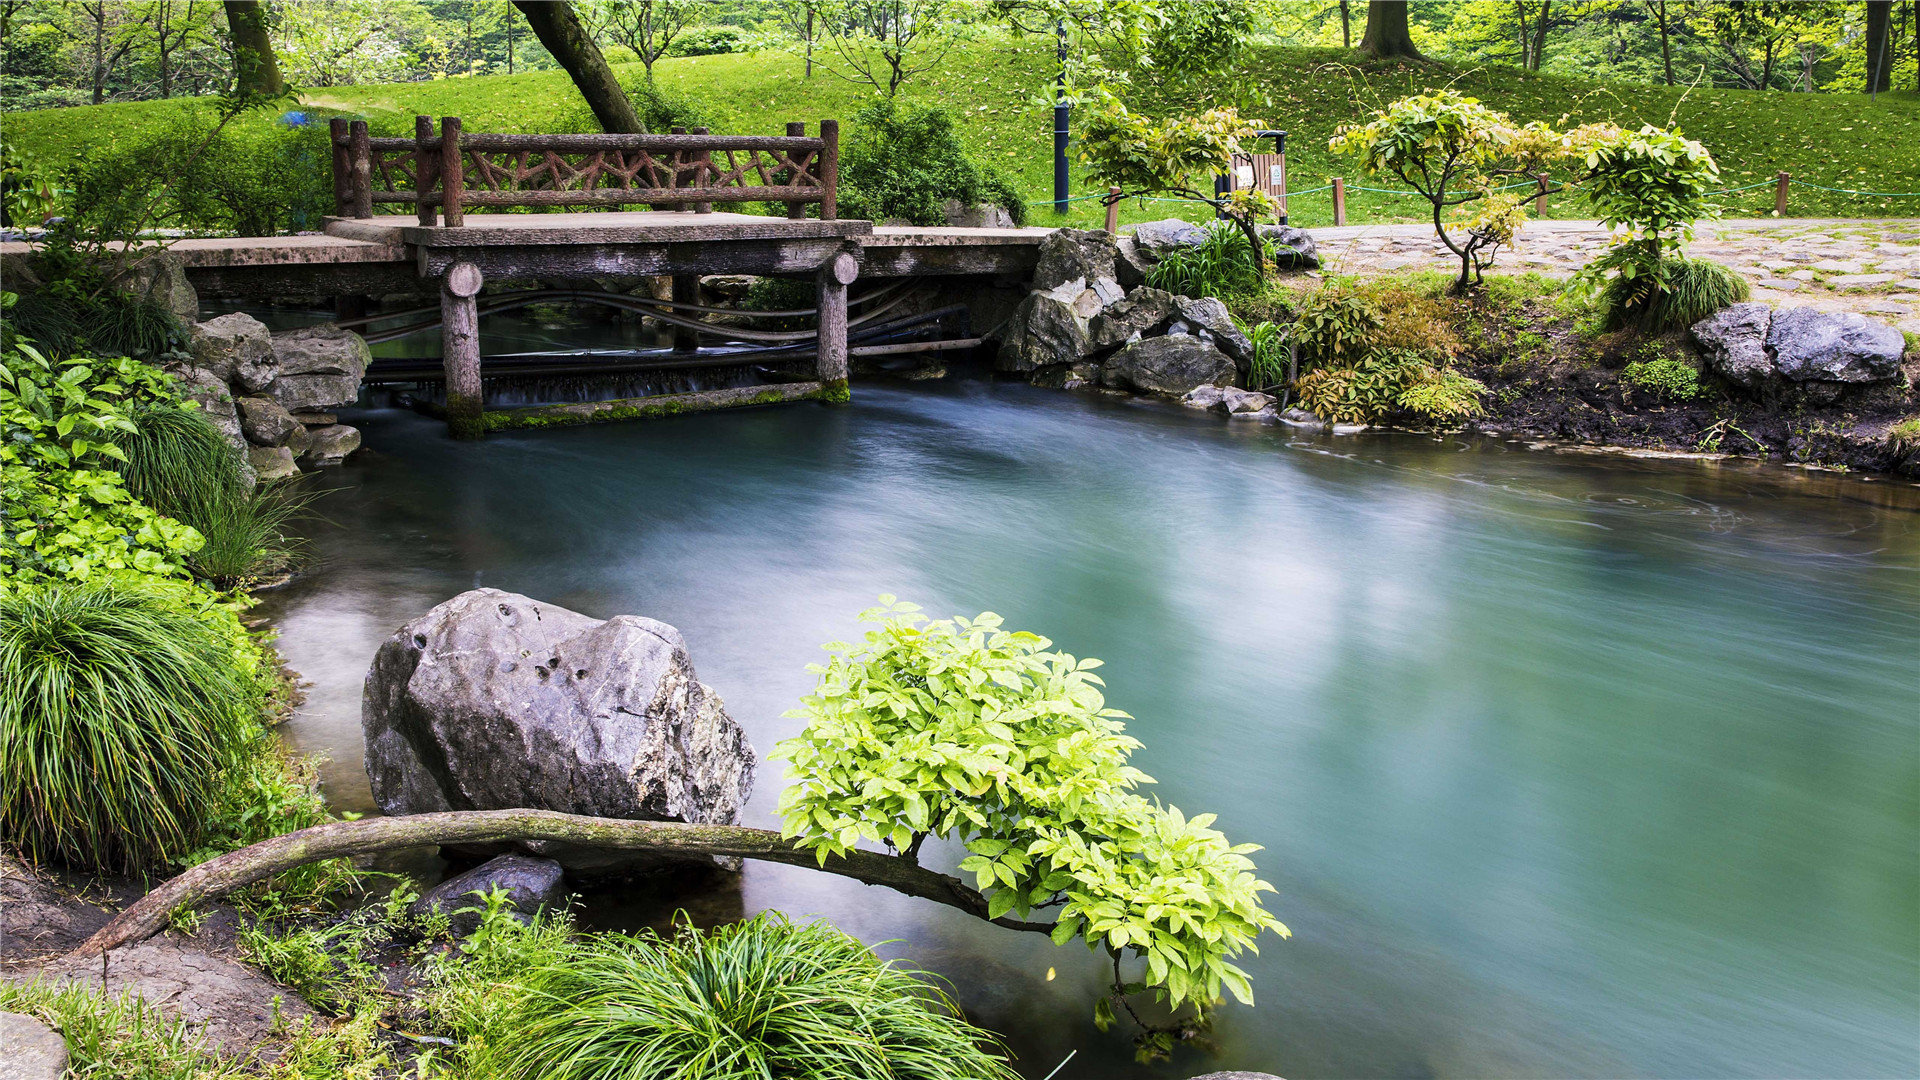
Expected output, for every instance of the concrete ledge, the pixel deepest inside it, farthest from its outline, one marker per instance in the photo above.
(657, 406)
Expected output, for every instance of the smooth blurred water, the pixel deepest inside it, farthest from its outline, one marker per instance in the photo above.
(1563, 765)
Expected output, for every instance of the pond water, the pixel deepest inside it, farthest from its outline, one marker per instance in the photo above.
(1562, 764)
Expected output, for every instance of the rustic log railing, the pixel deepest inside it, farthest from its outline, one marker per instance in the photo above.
(453, 170)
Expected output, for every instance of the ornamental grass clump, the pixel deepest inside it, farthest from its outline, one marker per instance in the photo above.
(121, 707)
(761, 998)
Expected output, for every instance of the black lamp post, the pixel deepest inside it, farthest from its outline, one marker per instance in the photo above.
(1060, 120)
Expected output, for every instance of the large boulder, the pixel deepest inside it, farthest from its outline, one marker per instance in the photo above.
(1833, 346)
(1293, 248)
(1733, 341)
(320, 367)
(1172, 366)
(1209, 314)
(530, 884)
(34, 1050)
(1155, 239)
(495, 701)
(161, 279)
(1066, 254)
(238, 348)
(1142, 312)
(329, 446)
(1045, 329)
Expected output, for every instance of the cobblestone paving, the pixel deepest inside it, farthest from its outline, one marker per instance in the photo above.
(1872, 267)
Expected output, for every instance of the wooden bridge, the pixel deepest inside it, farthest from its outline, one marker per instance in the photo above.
(482, 207)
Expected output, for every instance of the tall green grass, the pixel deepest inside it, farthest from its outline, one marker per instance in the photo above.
(762, 998)
(121, 706)
(1695, 289)
(179, 465)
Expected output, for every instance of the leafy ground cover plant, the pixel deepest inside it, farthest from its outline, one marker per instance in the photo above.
(960, 730)
(121, 707)
(1664, 378)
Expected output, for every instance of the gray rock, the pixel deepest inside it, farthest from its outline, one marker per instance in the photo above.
(329, 446)
(1293, 249)
(1067, 376)
(161, 278)
(210, 392)
(271, 463)
(1734, 342)
(236, 347)
(1204, 397)
(1043, 330)
(320, 367)
(1154, 239)
(978, 216)
(1237, 1076)
(495, 701)
(1237, 402)
(317, 419)
(531, 884)
(1142, 312)
(1210, 314)
(1301, 418)
(1842, 347)
(265, 422)
(226, 1003)
(1129, 266)
(1170, 366)
(729, 287)
(34, 1051)
(1074, 253)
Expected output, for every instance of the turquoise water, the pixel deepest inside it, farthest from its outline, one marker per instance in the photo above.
(1563, 765)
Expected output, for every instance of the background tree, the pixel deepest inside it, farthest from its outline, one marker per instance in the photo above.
(177, 26)
(883, 43)
(256, 70)
(800, 19)
(1879, 55)
(559, 30)
(1387, 34)
(646, 27)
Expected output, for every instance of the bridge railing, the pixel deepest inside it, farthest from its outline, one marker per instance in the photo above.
(451, 170)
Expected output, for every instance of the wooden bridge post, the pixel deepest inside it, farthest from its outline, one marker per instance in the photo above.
(341, 133)
(460, 350)
(830, 173)
(453, 183)
(360, 170)
(796, 130)
(426, 168)
(831, 364)
(686, 290)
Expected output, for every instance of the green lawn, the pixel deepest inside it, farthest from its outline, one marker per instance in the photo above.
(1835, 140)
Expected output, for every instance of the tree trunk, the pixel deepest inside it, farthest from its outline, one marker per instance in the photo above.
(1539, 49)
(1879, 58)
(255, 69)
(99, 12)
(343, 839)
(1666, 49)
(559, 29)
(1346, 25)
(1387, 34)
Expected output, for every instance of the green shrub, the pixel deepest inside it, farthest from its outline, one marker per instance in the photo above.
(246, 180)
(121, 705)
(905, 162)
(1388, 382)
(1220, 265)
(1666, 379)
(75, 310)
(1336, 327)
(711, 41)
(1695, 289)
(761, 998)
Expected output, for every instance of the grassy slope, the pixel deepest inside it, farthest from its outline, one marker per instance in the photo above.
(1839, 140)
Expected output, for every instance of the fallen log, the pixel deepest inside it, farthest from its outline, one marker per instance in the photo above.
(342, 839)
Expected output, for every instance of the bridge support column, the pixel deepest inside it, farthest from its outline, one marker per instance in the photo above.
(831, 365)
(686, 290)
(460, 350)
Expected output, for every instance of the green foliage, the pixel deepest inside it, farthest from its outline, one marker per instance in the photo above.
(711, 41)
(64, 509)
(221, 178)
(959, 729)
(1335, 327)
(121, 705)
(1443, 396)
(78, 309)
(905, 162)
(1693, 289)
(1370, 353)
(663, 108)
(760, 998)
(1666, 379)
(323, 964)
(117, 1038)
(1271, 360)
(1221, 265)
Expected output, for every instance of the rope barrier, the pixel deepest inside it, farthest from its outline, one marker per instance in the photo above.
(1849, 191)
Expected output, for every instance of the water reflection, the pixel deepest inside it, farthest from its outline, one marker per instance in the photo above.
(1563, 764)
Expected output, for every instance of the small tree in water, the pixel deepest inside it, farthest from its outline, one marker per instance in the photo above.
(1458, 154)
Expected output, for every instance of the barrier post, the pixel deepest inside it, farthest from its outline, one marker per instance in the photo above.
(1113, 211)
(1780, 194)
(1339, 201)
(1540, 200)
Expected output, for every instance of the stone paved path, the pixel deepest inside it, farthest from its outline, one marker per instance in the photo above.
(1868, 266)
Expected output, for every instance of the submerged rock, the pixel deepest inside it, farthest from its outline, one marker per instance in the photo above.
(320, 368)
(1171, 366)
(530, 884)
(495, 701)
(329, 446)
